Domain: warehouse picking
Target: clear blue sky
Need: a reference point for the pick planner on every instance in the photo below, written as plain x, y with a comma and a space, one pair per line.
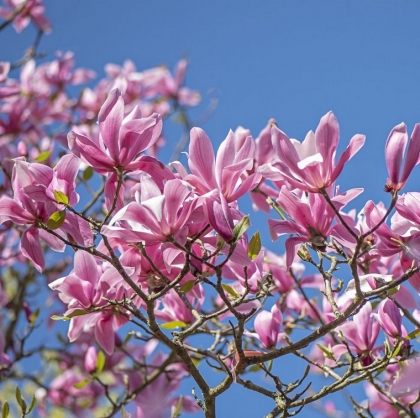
288, 60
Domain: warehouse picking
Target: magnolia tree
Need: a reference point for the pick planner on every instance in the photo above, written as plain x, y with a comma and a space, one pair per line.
161, 281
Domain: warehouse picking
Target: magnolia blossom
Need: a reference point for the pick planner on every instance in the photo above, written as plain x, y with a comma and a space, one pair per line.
394, 151
390, 318
267, 327
310, 165
361, 333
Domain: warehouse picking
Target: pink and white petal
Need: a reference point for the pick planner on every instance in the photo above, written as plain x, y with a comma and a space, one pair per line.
225, 156
249, 184
90, 152
354, 146
85, 267
409, 381
137, 136
327, 135
67, 168
52, 241
104, 334
394, 151
78, 289
31, 248
201, 158
12, 211
292, 245
413, 154
110, 118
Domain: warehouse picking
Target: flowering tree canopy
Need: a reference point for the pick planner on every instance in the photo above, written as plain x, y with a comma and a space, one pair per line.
161, 282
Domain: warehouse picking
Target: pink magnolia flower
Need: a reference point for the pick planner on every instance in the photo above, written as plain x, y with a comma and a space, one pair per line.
86, 287
59, 73
311, 219
154, 216
121, 139
394, 151
32, 10
310, 165
228, 172
361, 333
174, 308
409, 381
62, 392
402, 238
91, 359
390, 320
34, 185
267, 327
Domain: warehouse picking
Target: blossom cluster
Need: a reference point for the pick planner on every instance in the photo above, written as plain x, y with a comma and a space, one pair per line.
166, 249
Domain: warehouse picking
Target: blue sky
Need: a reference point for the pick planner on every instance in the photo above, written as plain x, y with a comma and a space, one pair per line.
288, 60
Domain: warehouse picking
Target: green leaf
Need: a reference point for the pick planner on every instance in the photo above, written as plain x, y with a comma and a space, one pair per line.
60, 318
254, 246
100, 362
20, 400
187, 286
43, 156
375, 303
173, 324
241, 227
391, 292
61, 197
380, 371
56, 219
177, 412
220, 242
88, 173
397, 349
270, 365
5, 410
77, 312
128, 337
82, 384
329, 354
254, 368
34, 316
231, 291
32, 405
413, 334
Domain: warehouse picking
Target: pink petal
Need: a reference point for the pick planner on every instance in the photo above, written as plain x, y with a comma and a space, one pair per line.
201, 158
110, 119
394, 151
31, 248
413, 154
104, 334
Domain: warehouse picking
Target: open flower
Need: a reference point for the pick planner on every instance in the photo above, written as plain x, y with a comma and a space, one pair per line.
310, 165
